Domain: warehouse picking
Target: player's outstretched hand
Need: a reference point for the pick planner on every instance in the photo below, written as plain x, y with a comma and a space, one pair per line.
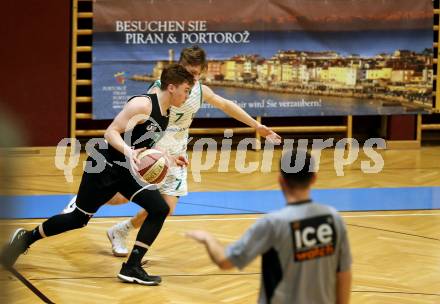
198, 235
268, 134
181, 161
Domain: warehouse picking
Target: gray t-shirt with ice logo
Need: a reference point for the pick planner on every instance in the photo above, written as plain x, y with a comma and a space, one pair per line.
303, 247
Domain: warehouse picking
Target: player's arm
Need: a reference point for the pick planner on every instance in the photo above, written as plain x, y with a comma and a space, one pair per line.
256, 240
234, 111
229, 107
134, 112
215, 250
343, 287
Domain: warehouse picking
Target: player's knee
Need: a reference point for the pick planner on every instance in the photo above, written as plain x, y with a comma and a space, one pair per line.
158, 209
153, 203
77, 219
162, 209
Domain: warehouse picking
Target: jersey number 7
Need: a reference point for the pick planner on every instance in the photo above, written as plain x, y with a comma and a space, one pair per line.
180, 115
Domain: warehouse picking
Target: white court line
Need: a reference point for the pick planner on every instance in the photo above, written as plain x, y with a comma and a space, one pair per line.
392, 215
240, 218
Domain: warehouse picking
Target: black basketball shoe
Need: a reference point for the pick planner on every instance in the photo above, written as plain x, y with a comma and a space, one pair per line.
136, 274
17, 245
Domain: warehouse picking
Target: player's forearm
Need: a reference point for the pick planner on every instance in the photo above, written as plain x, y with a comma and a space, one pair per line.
115, 140
214, 248
216, 252
343, 287
238, 113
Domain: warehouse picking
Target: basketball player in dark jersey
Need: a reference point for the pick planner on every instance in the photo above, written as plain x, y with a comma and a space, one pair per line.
143, 120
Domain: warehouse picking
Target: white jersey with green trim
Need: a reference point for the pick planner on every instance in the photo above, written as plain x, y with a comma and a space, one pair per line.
175, 139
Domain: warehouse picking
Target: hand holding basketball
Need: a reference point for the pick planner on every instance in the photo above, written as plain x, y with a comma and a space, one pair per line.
134, 158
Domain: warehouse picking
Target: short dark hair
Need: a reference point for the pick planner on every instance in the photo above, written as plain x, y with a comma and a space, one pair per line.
175, 74
302, 176
193, 55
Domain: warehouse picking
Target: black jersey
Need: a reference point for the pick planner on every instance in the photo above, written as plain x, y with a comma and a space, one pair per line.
144, 135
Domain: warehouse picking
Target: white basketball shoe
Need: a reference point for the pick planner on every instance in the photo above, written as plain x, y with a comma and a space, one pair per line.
117, 236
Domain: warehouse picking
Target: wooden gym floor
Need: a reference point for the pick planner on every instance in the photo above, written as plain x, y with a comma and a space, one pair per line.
396, 253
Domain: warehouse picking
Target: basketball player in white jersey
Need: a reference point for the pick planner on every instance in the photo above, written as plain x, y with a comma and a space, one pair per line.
175, 143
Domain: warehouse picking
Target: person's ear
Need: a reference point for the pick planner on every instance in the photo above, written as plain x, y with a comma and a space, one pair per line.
171, 88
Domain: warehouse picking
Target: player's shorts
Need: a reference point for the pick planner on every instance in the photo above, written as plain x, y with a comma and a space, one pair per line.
98, 188
175, 183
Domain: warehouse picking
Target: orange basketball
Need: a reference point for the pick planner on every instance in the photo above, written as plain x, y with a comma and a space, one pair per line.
154, 166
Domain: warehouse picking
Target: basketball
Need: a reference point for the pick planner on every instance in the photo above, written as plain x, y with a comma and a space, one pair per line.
154, 166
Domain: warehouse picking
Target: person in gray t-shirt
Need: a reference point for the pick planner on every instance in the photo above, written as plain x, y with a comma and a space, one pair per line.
304, 246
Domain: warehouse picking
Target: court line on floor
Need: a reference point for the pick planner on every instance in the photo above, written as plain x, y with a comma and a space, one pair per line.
29, 285
230, 219
221, 207
397, 292
164, 276
393, 231
226, 274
